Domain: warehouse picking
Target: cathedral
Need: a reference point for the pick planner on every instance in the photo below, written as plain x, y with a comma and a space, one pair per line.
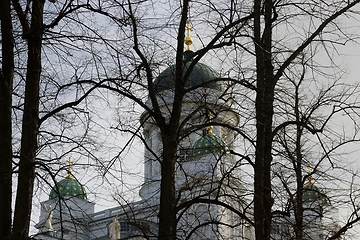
205, 170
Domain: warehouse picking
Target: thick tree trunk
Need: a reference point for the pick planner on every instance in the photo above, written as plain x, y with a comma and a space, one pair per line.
6, 81
264, 114
167, 213
262, 186
30, 126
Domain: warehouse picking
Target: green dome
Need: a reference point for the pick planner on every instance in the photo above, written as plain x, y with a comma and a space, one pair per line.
311, 194
68, 187
201, 75
210, 143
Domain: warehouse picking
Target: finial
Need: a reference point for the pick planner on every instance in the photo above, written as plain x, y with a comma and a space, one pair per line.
69, 170
188, 39
309, 169
210, 131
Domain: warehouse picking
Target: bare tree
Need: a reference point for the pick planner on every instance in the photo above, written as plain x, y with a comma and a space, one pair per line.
307, 145
248, 27
125, 59
29, 98
269, 73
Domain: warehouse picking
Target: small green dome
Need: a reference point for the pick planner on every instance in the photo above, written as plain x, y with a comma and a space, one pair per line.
311, 194
68, 187
201, 75
210, 143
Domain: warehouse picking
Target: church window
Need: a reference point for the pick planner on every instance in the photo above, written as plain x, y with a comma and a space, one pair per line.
184, 154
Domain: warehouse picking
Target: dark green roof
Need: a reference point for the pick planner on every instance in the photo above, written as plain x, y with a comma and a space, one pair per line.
311, 194
68, 187
201, 75
210, 143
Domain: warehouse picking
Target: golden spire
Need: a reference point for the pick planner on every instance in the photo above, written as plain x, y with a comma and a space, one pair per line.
69, 170
188, 39
210, 131
309, 170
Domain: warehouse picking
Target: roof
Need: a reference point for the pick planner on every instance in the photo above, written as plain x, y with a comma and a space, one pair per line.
210, 143
68, 187
312, 193
201, 75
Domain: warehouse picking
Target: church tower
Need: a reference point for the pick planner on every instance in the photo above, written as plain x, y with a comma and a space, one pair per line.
66, 213
203, 154
314, 202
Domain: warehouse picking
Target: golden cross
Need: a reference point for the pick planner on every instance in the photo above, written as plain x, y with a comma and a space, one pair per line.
69, 171
69, 161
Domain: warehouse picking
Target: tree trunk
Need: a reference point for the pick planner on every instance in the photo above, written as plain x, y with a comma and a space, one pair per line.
262, 185
170, 137
264, 113
298, 208
30, 126
167, 213
6, 82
